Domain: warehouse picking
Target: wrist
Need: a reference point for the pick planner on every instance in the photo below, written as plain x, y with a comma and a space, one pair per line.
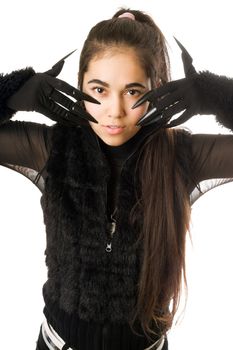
216, 96
9, 84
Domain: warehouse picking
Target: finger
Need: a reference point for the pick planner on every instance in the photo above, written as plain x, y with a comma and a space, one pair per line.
74, 119
61, 99
168, 100
189, 69
184, 51
151, 120
80, 112
51, 115
65, 120
180, 120
155, 116
57, 67
154, 94
69, 54
174, 109
64, 113
187, 60
150, 116
149, 96
69, 105
80, 96
71, 91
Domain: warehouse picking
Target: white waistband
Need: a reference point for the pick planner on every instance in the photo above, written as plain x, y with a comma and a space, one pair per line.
49, 333
57, 342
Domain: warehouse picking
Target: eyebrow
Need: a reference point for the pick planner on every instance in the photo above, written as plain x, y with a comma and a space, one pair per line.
127, 86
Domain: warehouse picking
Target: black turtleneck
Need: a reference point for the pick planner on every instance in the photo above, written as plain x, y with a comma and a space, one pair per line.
116, 156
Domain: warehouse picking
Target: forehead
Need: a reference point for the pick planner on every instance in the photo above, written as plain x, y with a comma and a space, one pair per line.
116, 63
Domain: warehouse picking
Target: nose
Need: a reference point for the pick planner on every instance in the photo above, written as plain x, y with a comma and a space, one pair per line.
116, 108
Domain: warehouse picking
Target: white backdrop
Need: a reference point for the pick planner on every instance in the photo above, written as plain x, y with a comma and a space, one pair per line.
39, 33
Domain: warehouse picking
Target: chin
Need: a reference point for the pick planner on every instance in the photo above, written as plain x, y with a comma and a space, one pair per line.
113, 143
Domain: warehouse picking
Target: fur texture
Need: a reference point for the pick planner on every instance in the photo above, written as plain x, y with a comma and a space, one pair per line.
89, 289
216, 97
83, 278
9, 84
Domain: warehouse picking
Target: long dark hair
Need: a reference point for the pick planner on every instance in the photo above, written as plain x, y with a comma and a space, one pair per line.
166, 211
164, 198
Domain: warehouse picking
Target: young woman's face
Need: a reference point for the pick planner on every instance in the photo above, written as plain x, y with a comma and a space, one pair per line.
116, 80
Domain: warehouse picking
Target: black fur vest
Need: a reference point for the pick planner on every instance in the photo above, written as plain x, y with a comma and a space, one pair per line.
83, 278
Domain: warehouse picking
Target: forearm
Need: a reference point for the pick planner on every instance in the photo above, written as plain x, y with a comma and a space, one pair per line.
9, 84
218, 92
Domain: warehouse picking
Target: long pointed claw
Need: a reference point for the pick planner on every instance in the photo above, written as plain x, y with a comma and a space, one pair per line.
89, 117
80, 96
147, 97
57, 67
149, 117
181, 119
184, 51
63, 59
187, 59
83, 114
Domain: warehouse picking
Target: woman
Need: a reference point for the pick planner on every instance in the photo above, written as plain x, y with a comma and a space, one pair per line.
115, 195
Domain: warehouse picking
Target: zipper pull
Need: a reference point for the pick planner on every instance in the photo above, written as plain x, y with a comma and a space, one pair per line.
108, 247
112, 229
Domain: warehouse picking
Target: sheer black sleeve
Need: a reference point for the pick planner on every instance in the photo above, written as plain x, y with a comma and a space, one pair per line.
212, 162
25, 147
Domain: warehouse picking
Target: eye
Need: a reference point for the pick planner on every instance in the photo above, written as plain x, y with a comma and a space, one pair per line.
133, 92
98, 89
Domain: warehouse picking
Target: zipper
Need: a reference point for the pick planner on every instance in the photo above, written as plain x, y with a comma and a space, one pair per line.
112, 224
111, 231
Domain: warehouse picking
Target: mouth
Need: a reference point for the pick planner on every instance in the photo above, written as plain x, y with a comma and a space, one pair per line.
114, 129
114, 126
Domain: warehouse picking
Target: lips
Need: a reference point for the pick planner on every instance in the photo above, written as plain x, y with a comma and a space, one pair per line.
114, 126
114, 129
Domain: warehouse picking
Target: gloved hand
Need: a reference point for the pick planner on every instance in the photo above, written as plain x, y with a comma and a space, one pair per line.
198, 93
43, 93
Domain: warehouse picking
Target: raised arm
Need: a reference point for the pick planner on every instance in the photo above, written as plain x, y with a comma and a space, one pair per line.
25, 147
25, 90
197, 93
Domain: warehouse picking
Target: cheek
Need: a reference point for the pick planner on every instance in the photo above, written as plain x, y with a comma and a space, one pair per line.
93, 109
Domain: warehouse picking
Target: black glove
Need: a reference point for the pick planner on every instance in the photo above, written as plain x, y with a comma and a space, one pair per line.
44, 93
198, 93
9, 84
